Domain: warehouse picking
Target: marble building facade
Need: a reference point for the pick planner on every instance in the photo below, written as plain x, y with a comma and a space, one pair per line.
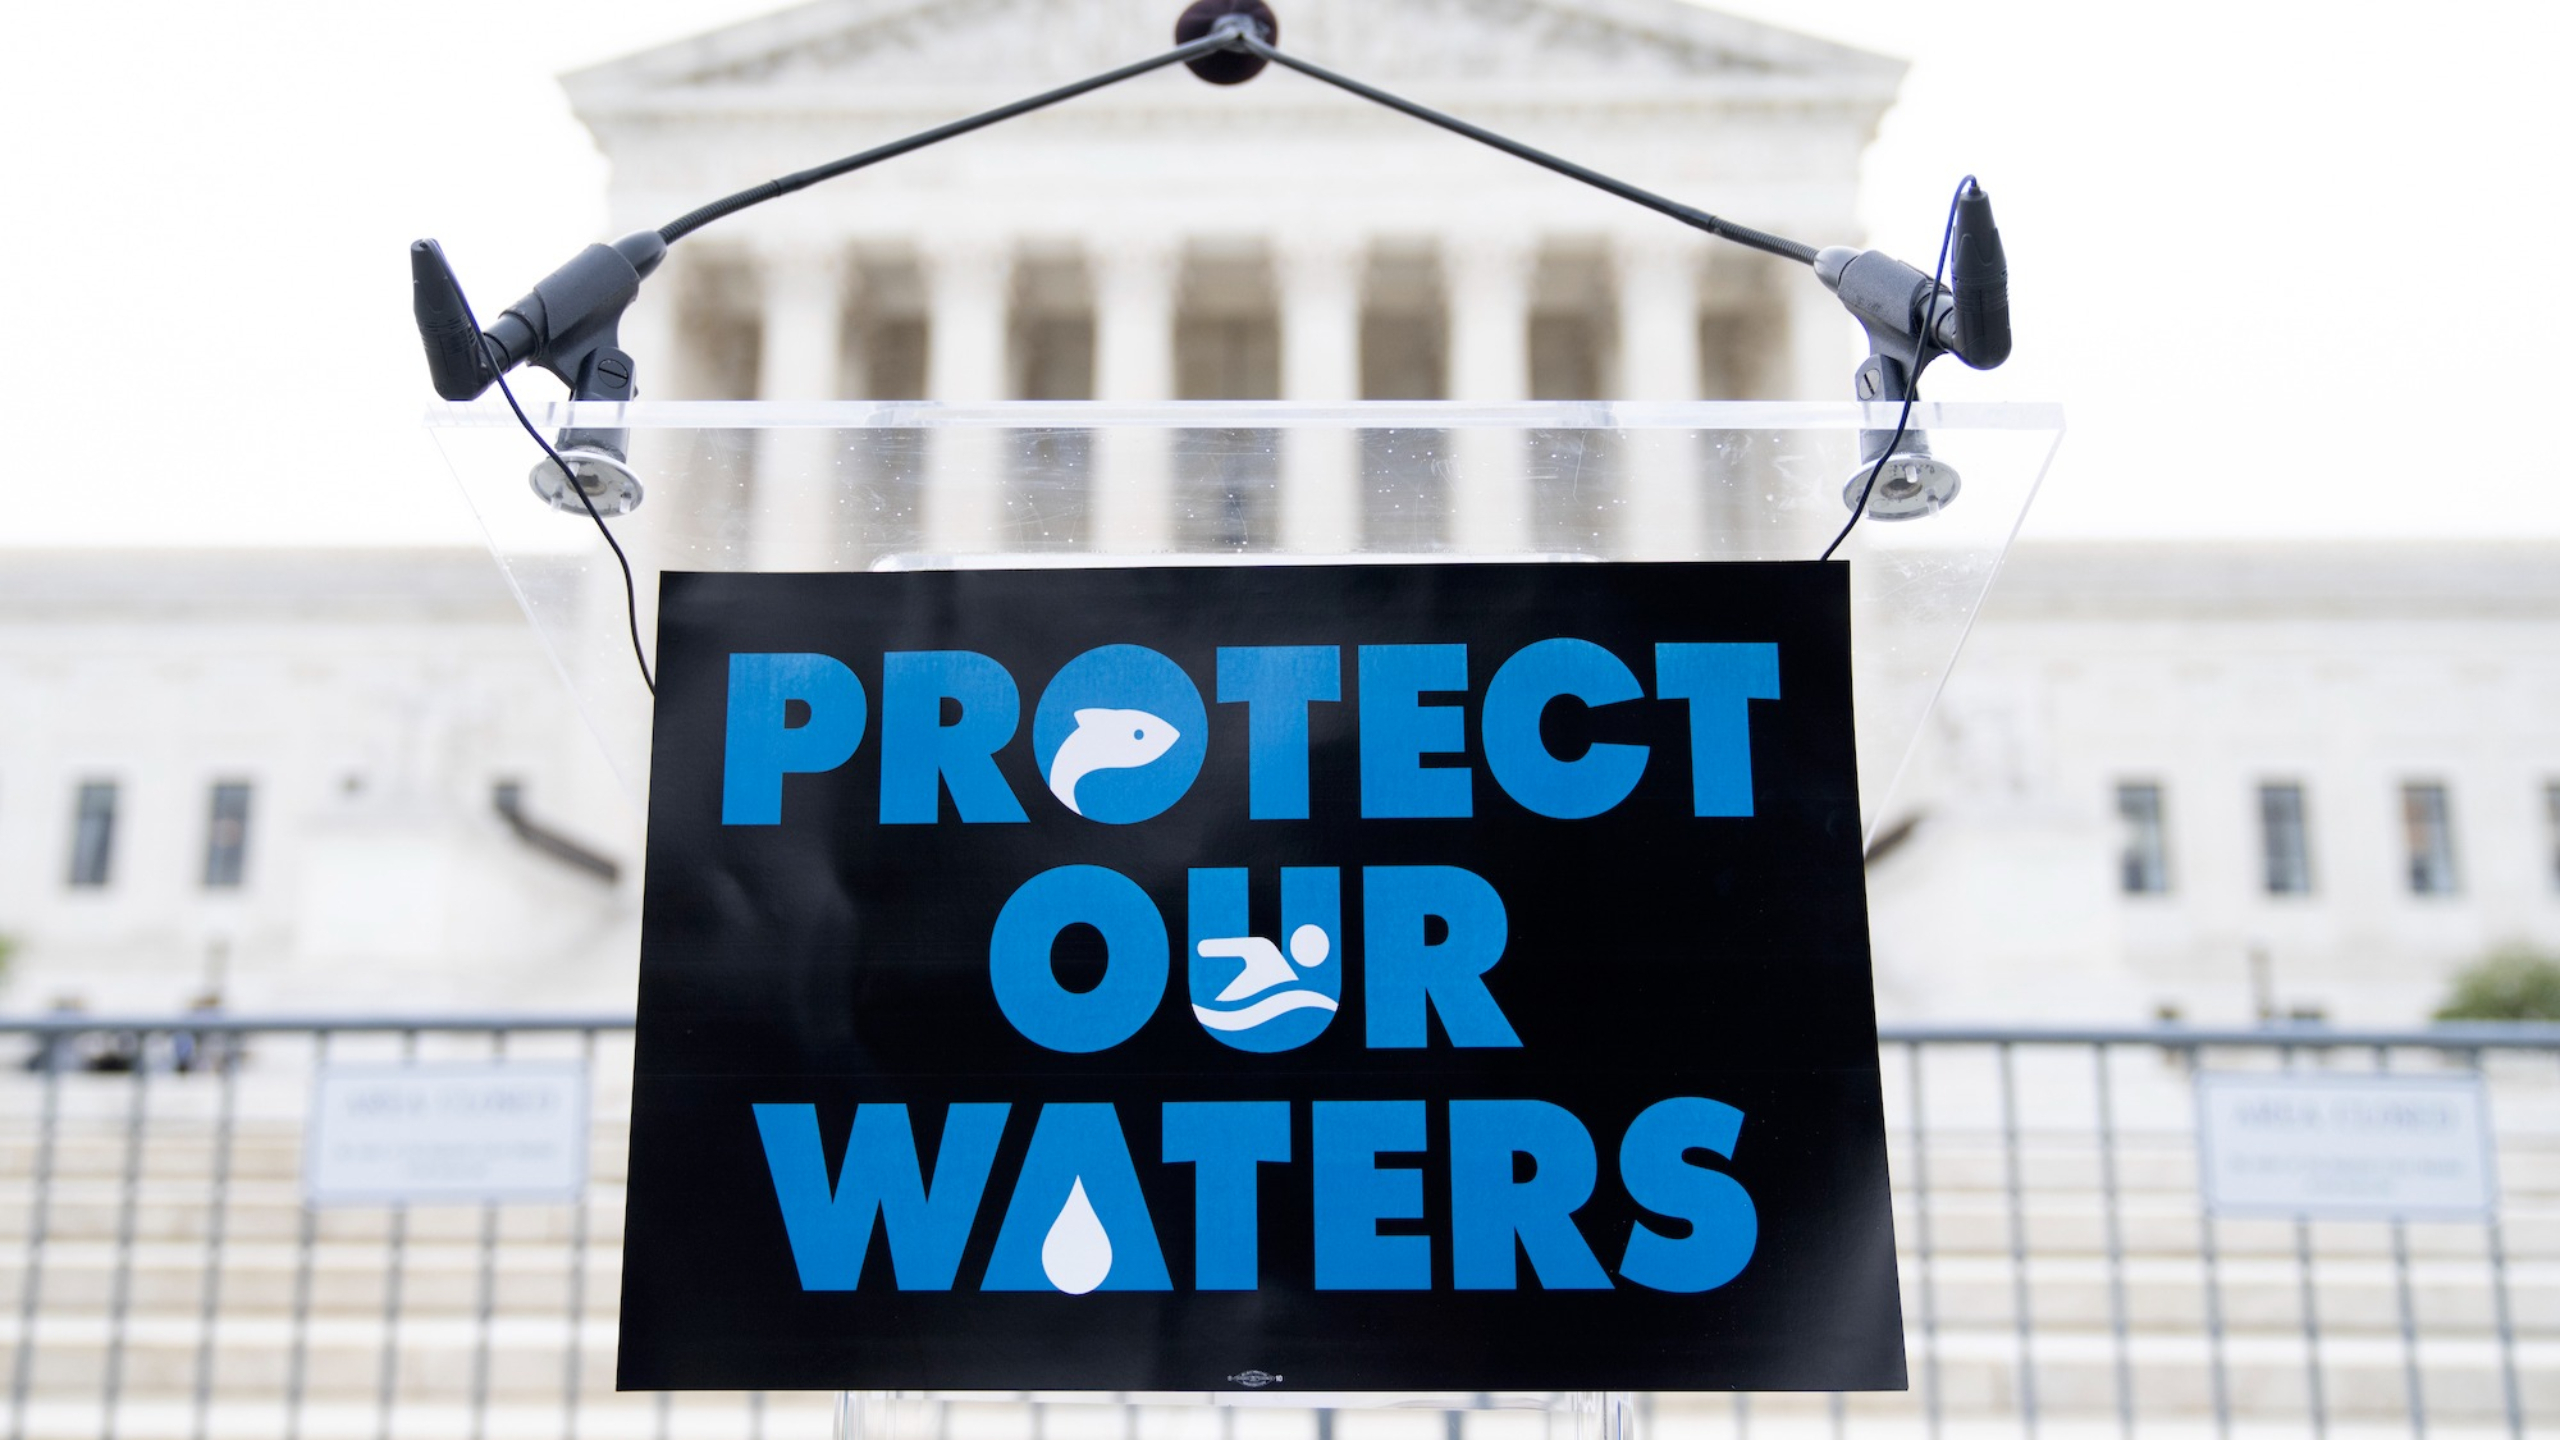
393, 729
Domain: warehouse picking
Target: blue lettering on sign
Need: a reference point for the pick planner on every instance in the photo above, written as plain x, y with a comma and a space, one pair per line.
1078, 1221
830, 1227
1026, 981
1724, 1227
1275, 684
1489, 1210
1120, 734
762, 743
1353, 1195
1516, 700
920, 756
1407, 972
1226, 1143
1397, 730
1719, 682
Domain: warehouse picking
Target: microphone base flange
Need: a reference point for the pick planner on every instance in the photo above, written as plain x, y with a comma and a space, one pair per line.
1911, 485
608, 483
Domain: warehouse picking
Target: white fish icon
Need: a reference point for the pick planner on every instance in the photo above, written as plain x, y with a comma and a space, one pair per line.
1107, 740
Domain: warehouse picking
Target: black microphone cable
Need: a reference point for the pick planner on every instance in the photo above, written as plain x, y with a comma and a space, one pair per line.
1911, 390
630, 589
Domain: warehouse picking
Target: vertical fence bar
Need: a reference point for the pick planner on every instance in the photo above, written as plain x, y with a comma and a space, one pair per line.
573, 1378
2315, 1384
1932, 1401
2413, 1380
2504, 1306
217, 1224
2217, 1363
137, 1115
396, 1248
51, 1052
485, 1300
2111, 1201
2021, 1298
297, 1368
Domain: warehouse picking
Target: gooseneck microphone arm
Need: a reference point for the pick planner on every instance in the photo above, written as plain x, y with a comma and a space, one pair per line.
567, 324
573, 313
1689, 215
695, 219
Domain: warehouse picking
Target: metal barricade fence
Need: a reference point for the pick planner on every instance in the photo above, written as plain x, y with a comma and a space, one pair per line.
161, 1274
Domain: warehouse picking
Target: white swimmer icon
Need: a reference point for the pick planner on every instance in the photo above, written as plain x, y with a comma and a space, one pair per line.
1265, 970
1107, 740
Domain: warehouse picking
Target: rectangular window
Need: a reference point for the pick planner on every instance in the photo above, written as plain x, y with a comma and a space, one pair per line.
2285, 837
226, 837
93, 833
2426, 815
2144, 867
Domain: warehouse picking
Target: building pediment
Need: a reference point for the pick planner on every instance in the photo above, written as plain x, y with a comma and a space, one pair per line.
853, 47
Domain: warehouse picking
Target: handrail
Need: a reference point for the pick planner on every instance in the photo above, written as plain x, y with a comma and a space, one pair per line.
2498, 1035
221, 1023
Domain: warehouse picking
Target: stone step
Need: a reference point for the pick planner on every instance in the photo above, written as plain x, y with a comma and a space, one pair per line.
262, 1279
441, 1278
600, 1415
1959, 1223
270, 1210
94, 1146
1971, 1371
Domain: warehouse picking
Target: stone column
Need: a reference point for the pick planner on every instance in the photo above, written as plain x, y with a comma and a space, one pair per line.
969, 284
661, 358
802, 502
1135, 282
1657, 283
1320, 284
1488, 279
1823, 343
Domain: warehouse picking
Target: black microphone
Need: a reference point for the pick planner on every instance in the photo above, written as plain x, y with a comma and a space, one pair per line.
455, 359
565, 325
1981, 275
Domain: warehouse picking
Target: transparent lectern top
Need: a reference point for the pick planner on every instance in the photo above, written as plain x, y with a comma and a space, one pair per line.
856, 485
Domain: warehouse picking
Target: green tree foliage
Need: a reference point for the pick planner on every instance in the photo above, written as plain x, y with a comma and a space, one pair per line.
2513, 983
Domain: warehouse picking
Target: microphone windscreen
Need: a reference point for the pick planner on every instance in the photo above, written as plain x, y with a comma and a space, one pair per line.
455, 361
1981, 276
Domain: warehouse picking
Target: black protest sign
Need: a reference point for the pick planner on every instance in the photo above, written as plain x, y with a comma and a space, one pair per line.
1445, 977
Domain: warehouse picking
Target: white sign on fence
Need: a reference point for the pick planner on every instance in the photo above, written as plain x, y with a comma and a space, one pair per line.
446, 1134
2361, 1147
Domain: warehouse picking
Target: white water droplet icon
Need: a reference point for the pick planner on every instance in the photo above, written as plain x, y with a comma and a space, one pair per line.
1077, 1254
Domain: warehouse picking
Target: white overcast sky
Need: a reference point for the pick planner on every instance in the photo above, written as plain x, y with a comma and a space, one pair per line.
2287, 265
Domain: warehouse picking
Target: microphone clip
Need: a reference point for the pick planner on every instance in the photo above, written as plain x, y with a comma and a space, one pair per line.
567, 324
1911, 320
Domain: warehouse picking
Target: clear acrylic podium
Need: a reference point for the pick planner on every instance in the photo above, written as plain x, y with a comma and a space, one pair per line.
854, 485
877, 485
